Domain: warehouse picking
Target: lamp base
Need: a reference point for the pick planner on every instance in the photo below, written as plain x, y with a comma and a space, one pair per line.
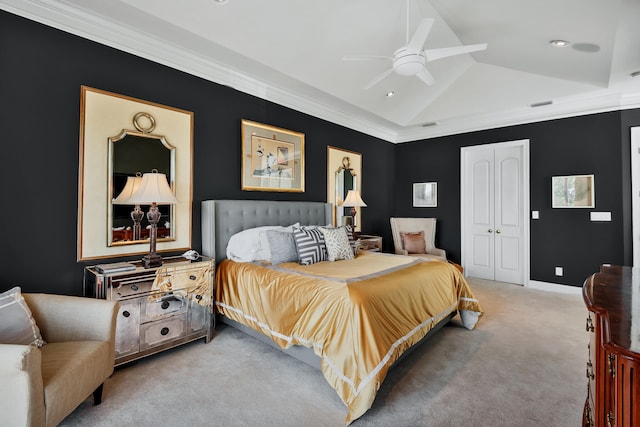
151, 260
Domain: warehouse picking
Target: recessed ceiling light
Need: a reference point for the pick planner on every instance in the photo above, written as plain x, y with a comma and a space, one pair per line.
635, 74
390, 94
220, 2
559, 43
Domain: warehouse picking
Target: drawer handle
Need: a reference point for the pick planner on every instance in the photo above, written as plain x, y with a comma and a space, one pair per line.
164, 305
192, 277
134, 287
612, 366
198, 297
164, 331
590, 371
126, 314
589, 324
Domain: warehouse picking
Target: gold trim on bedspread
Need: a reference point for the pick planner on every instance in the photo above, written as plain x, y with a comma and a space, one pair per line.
358, 315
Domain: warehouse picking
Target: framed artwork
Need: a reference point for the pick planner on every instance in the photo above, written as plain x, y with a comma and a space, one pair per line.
119, 137
425, 194
272, 158
573, 191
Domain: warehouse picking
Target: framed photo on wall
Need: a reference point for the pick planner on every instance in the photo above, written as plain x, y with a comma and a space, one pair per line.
573, 191
425, 194
272, 158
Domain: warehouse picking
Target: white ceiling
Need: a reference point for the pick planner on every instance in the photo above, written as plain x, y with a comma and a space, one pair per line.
291, 52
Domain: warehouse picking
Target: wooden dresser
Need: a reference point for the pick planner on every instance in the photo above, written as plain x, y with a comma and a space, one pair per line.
612, 297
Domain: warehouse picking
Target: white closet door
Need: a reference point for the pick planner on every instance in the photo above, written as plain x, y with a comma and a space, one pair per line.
494, 216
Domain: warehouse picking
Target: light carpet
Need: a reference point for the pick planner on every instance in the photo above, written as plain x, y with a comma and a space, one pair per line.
523, 365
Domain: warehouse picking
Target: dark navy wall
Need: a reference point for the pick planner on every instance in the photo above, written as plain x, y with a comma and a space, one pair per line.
595, 144
41, 71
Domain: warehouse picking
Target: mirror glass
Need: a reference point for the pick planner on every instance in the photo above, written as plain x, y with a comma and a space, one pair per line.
345, 180
133, 153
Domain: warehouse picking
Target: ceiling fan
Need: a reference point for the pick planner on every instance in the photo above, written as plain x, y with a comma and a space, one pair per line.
411, 59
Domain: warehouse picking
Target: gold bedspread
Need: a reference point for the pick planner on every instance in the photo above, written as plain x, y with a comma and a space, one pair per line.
358, 315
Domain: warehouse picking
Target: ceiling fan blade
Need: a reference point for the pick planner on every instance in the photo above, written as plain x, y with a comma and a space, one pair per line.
378, 79
420, 36
426, 76
363, 57
433, 54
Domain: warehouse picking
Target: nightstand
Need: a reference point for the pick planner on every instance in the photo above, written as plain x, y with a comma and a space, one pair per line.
368, 242
160, 307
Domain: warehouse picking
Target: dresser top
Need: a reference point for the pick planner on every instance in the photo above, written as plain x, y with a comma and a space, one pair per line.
614, 292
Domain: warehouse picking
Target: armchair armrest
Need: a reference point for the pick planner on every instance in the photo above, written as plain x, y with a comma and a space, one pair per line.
22, 393
438, 252
68, 318
400, 251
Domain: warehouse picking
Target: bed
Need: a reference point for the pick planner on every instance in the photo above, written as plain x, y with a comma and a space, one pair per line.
352, 318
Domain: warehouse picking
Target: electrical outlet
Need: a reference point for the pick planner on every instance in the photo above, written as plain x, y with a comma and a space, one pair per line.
558, 271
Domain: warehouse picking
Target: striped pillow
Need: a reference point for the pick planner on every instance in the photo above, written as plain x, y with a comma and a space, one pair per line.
310, 245
352, 241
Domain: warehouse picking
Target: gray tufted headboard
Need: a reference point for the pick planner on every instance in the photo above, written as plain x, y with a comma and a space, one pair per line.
223, 218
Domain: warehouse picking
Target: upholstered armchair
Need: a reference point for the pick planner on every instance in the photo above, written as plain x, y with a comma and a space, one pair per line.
416, 237
40, 386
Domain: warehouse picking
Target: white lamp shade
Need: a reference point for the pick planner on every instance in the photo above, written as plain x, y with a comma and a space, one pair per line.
353, 199
153, 188
133, 182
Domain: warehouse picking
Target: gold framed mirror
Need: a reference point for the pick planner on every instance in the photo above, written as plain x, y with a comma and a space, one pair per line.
111, 151
344, 173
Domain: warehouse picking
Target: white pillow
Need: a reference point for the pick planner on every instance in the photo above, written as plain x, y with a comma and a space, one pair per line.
17, 325
246, 246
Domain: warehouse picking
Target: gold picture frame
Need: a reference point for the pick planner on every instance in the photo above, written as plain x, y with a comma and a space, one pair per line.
104, 117
272, 158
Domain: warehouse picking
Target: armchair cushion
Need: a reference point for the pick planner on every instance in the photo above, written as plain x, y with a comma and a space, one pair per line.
17, 325
413, 242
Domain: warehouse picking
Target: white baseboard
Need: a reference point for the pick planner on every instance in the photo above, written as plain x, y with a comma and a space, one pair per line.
555, 287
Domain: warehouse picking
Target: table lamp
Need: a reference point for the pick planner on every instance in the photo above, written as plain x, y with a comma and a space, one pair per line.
153, 190
133, 182
353, 200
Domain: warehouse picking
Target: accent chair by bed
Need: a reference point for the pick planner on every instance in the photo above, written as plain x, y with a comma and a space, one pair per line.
416, 237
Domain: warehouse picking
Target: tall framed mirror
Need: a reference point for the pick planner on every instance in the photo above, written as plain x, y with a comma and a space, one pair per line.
120, 137
344, 173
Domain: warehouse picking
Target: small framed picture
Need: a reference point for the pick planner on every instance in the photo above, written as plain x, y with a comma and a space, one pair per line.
573, 191
425, 194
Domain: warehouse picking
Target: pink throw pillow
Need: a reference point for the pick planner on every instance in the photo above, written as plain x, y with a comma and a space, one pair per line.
414, 243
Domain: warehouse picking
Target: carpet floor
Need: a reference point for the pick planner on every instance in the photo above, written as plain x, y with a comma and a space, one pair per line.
523, 365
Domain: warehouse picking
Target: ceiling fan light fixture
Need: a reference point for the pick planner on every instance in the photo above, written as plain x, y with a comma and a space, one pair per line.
407, 63
559, 43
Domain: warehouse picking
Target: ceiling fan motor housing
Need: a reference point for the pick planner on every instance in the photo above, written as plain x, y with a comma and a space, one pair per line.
407, 62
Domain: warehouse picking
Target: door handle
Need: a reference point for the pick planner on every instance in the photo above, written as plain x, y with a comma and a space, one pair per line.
498, 231
490, 230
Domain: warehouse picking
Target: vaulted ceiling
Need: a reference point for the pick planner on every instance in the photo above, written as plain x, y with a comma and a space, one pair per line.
292, 52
